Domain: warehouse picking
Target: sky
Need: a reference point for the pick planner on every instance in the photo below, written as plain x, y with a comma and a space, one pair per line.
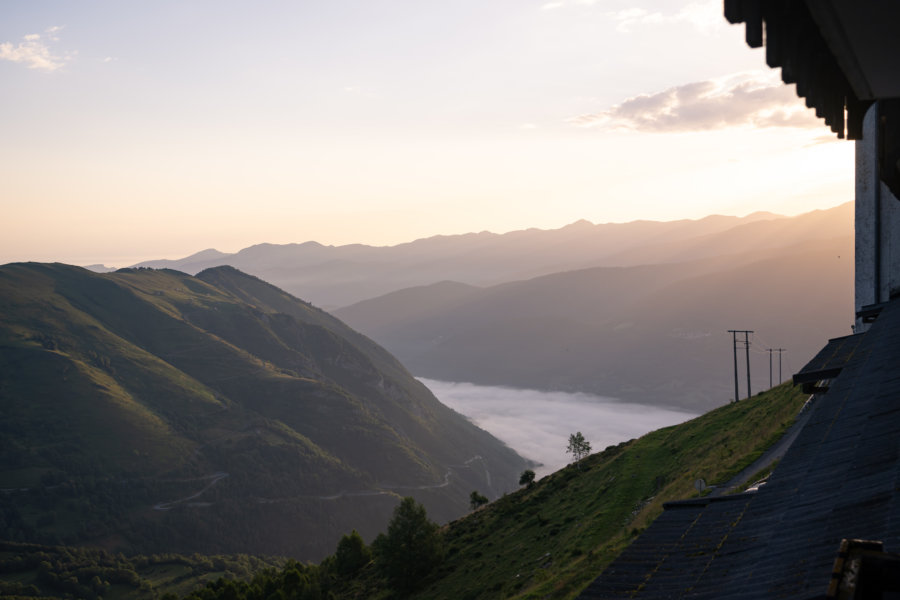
145, 130
537, 424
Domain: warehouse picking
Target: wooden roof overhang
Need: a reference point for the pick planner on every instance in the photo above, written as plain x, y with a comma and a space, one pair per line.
842, 54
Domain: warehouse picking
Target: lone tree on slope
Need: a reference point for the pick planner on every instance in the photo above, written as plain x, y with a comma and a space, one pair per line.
578, 446
527, 478
476, 500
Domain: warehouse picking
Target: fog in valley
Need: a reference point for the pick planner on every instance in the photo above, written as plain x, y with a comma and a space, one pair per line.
537, 424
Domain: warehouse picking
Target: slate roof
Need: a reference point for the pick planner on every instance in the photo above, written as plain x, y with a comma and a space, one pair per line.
828, 363
840, 479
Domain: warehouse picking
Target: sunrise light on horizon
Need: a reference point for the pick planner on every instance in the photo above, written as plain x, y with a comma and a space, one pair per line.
144, 131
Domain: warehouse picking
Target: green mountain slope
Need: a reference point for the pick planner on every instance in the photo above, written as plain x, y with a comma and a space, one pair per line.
547, 540
155, 411
655, 333
554, 538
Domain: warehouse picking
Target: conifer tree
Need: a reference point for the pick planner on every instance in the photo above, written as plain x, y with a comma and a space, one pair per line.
410, 549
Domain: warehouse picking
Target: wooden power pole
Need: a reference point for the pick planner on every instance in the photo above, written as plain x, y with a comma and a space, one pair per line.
779, 351
746, 333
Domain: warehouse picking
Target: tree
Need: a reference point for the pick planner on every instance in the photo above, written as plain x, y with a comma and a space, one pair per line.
578, 446
352, 554
410, 549
527, 478
476, 500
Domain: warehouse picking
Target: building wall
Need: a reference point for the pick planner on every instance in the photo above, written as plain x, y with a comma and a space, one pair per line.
877, 224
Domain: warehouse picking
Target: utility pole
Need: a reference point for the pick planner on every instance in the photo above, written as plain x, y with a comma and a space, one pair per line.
747, 350
770, 368
734, 349
779, 351
746, 333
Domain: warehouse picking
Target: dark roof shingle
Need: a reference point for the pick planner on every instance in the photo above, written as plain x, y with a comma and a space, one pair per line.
840, 479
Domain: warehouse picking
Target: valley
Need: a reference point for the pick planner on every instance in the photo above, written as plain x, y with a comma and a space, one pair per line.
536, 424
548, 539
152, 411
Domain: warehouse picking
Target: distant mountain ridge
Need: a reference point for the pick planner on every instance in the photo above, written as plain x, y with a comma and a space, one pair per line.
580, 308
336, 276
154, 411
653, 330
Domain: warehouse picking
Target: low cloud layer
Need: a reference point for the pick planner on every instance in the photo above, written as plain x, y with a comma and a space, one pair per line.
33, 51
741, 100
537, 424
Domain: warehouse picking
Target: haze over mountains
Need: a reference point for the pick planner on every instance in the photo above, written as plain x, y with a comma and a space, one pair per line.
154, 411
652, 334
337, 276
638, 311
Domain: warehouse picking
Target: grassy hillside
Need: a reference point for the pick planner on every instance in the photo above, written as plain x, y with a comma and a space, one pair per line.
548, 540
555, 537
153, 411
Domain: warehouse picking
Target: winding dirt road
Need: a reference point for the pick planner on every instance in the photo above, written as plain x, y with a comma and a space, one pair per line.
385, 489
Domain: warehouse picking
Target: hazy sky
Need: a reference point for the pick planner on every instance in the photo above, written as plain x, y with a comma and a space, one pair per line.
138, 130
537, 424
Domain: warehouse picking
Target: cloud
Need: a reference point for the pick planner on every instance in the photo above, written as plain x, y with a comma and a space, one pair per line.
537, 424
33, 52
52, 31
756, 99
823, 139
703, 16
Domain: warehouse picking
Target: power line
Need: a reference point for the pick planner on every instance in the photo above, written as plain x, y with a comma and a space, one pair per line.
787, 362
758, 338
